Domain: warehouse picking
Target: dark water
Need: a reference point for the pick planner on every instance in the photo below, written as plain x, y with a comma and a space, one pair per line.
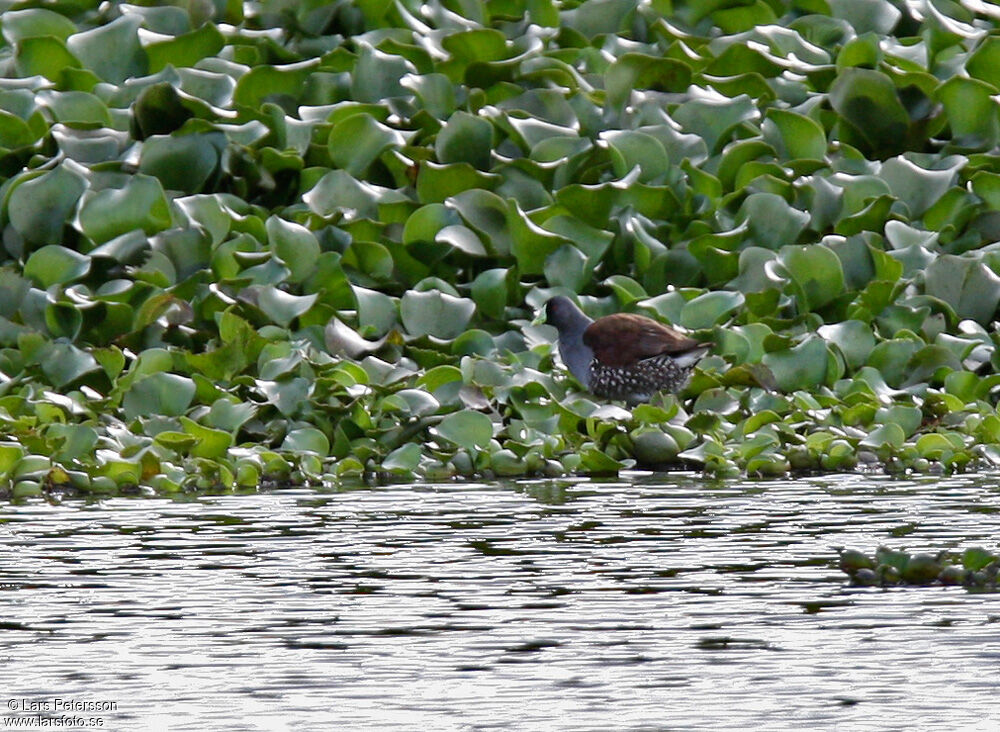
656, 602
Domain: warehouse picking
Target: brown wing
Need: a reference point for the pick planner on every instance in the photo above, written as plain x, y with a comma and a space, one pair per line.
624, 338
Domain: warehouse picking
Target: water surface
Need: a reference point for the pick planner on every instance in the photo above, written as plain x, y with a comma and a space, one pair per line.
654, 602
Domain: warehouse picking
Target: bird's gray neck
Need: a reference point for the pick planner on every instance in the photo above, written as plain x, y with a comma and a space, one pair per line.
574, 352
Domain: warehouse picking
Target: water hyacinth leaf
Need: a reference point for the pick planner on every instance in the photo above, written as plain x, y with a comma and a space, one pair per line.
403, 460
159, 110
640, 71
969, 286
182, 162
706, 310
282, 307
801, 367
64, 363
210, 443
435, 313
186, 49
436, 183
288, 396
357, 141
140, 204
307, 439
461, 238
377, 75
272, 83
75, 108
567, 267
486, 213
798, 136
377, 312
489, 291
890, 359
468, 429
55, 265
712, 116
64, 320
868, 100
435, 93
35, 23
854, 338
530, 243
465, 138
229, 415
879, 16
771, 220
111, 51
40, 207
918, 187
43, 56
294, 245
971, 110
816, 270
160, 393
75, 441
631, 149
423, 224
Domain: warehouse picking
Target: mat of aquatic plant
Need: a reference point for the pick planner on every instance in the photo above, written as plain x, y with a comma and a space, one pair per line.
307, 241
975, 567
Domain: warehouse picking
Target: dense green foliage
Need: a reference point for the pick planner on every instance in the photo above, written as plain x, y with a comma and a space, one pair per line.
975, 567
307, 240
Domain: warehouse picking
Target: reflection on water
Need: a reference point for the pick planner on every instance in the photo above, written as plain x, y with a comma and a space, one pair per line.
656, 602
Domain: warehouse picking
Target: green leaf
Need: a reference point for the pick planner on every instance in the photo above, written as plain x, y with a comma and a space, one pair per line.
867, 100
40, 207
969, 286
489, 290
435, 313
530, 243
35, 22
211, 443
709, 309
186, 49
801, 367
854, 338
465, 138
43, 56
140, 204
357, 141
55, 265
468, 429
64, 363
816, 271
265, 83
918, 187
797, 136
182, 162
307, 439
158, 394
971, 112
632, 71
712, 116
282, 307
772, 222
294, 245
403, 460
112, 51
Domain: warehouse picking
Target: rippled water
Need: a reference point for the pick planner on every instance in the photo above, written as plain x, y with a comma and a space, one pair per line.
655, 602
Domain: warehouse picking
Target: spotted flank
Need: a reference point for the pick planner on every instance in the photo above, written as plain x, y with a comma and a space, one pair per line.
640, 380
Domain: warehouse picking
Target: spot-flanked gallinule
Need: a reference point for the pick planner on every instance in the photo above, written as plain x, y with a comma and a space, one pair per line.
622, 356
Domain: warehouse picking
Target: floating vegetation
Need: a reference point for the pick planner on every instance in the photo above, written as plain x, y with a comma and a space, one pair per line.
307, 242
975, 567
